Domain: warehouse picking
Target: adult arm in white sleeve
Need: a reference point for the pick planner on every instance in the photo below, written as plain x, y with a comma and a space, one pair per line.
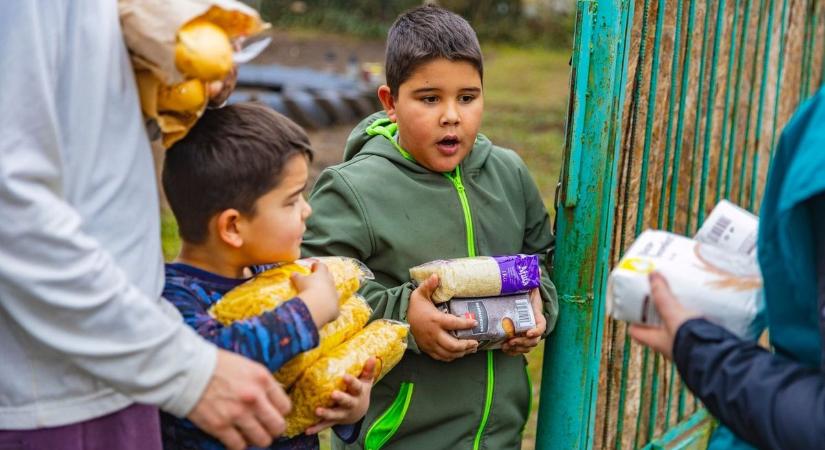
57, 284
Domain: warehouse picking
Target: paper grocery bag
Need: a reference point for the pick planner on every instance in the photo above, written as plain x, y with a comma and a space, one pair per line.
150, 28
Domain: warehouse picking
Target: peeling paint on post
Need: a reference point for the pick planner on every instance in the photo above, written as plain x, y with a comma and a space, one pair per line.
584, 217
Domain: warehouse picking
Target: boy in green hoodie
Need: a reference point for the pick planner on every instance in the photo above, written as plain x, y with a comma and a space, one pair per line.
419, 183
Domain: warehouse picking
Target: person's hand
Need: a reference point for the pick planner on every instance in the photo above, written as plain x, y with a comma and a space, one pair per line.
522, 344
431, 327
672, 313
220, 90
317, 290
242, 405
350, 405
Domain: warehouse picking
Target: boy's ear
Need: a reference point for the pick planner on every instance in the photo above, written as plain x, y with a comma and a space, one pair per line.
385, 95
228, 230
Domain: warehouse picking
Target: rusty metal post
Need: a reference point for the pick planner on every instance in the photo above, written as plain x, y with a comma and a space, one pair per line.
584, 220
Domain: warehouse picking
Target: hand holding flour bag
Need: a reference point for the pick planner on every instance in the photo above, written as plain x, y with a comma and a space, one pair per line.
715, 274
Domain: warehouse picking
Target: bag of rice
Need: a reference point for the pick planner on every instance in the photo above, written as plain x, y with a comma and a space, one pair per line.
386, 340
353, 316
720, 284
273, 287
482, 276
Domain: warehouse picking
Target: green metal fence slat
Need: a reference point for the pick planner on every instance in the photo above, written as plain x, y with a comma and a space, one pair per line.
665, 176
726, 116
822, 69
759, 115
779, 72
720, 15
680, 126
698, 119
674, 69
572, 356
634, 121
745, 147
621, 75
651, 114
651, 117
807, 51
737, 91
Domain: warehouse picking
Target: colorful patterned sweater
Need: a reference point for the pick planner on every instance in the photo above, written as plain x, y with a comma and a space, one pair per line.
271, 339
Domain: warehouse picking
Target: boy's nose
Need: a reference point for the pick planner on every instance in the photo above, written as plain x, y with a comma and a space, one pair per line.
450, 115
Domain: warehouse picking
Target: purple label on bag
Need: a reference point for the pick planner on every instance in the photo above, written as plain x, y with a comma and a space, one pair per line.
519, 273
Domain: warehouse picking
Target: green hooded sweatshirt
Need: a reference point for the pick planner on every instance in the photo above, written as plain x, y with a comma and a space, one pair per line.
382, 208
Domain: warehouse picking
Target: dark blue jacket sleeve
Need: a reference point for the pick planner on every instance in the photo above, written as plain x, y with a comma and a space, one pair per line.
272, 339
348, 433
768, 400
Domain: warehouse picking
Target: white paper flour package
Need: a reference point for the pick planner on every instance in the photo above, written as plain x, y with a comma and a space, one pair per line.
731, 228
721, 284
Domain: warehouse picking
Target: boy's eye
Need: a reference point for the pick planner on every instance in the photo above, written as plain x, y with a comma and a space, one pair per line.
466, 98
429, 99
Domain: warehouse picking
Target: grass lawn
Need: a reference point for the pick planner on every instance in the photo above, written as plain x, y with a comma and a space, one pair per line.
525, 105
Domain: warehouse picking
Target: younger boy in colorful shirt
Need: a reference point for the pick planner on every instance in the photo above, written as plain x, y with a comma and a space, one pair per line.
235, 184
420, 183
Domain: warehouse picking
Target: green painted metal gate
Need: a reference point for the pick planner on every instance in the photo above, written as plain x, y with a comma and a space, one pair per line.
674, 104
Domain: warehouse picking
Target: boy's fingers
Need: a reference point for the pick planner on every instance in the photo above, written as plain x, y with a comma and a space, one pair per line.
353, 385
428, 286
368, 372
451, 322
331, 414
344, 400
318, 266
450, 344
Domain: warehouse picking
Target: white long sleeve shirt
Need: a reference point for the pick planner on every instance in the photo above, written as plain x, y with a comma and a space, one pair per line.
83, 330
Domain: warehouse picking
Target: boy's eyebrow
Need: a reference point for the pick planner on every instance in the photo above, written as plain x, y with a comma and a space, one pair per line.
298, 191
427, 90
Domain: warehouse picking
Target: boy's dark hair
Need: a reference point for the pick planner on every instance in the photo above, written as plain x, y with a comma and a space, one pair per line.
427, 32
229, 159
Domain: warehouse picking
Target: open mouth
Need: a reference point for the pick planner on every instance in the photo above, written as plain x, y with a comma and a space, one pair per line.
448, 145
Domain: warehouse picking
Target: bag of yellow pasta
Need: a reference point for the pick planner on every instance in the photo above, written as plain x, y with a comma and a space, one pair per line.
386, 340
273, 287
354, 314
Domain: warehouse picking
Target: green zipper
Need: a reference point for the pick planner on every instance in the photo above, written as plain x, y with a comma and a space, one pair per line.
529, 398
388, 129
488, 401
384, 428
455, 177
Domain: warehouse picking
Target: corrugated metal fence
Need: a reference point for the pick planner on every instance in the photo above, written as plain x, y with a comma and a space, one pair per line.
674, 105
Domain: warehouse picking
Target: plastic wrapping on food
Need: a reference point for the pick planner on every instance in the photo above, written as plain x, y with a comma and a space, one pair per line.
497, 318
385, 340
153, 29
483, 276
273, 287
354, 314
720, 284
176, 48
